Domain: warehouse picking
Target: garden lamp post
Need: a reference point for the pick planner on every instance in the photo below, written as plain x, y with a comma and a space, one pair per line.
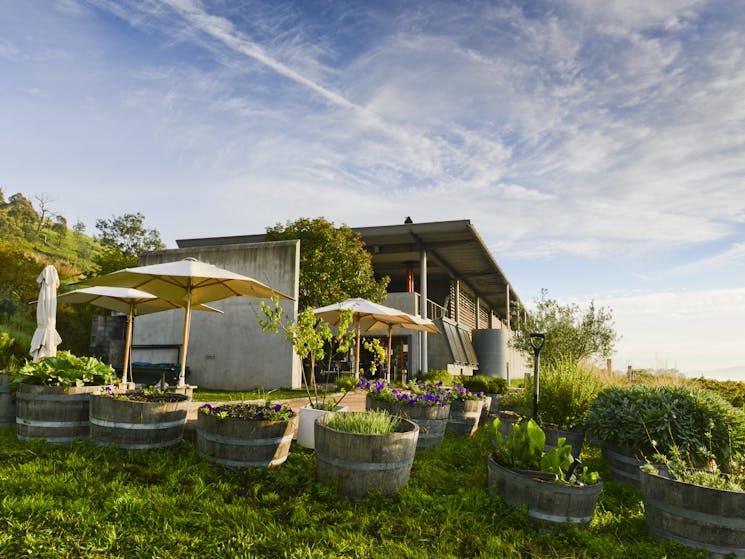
536, 340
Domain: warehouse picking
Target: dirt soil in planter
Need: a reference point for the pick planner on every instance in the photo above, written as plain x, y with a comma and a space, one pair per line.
159, 398
245, 411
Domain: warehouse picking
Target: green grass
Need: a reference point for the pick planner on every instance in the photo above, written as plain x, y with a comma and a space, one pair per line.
81, 501
369, 423
225, 396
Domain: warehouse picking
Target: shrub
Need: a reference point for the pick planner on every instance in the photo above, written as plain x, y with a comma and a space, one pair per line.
658, 418
567, 391
731, 390
481, 383
435, 376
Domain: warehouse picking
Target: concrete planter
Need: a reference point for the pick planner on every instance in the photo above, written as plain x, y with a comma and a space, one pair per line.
241, 443
136, 425
358, 464
693, 515
53, 413
307, 416
546, 501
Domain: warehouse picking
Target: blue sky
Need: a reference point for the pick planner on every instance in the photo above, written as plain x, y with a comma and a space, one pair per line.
598, 148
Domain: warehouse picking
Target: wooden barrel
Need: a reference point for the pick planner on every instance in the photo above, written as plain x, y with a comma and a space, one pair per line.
240, 443
464, 417
623, 464
546, 501
432, 420
574, 437
53, 413
7, 404
692, 515
358, 464
137, 425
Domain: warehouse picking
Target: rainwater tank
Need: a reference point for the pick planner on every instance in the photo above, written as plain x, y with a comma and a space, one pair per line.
491, 349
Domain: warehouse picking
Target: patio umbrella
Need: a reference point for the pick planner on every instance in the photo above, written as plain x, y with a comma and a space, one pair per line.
132, 302
186, 283
369, 316
416, 323
46, 339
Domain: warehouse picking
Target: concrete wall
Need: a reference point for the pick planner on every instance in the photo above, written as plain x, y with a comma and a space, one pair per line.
229, 351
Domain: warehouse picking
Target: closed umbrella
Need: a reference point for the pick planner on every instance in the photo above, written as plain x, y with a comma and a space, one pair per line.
186, 283
369, 316
46, 339
132, 302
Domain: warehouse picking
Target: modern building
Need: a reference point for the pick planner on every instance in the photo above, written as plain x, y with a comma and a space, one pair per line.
441, 270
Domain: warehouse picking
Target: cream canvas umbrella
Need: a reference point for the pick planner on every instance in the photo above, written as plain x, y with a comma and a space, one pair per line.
46, 339
186, 283
369, 316
132, 302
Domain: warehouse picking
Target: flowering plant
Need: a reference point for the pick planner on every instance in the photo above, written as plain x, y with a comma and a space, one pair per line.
255, 412
458, 392
149, 394
419, 395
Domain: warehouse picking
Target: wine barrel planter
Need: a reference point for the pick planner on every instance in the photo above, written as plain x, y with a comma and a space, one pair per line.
240, 443
307, 416
623, 464
358, 464
137, 425
464, 417
546, 501
432, 420
53, 413
693, 515
574, 437
7, 404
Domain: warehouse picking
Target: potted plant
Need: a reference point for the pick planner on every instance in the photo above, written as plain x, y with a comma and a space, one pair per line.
361, 452
53, 394
639, 421
697, 507
552, 485
426, 404
246, 434
312, 339
138, 419
568, 389
465, 410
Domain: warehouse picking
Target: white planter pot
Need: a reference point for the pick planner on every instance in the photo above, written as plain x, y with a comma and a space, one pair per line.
306, 420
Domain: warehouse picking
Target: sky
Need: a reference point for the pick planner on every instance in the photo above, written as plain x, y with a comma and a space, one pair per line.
597, 147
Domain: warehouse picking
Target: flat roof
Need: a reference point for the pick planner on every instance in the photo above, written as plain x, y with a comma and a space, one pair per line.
454, 250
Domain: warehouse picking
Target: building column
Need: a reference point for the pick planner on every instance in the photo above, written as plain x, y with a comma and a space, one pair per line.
423, 310
478, 311
508, 307
457, 302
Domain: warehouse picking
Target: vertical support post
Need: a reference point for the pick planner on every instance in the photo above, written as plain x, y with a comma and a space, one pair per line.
478, 311
423, 289
507, 308
457, 301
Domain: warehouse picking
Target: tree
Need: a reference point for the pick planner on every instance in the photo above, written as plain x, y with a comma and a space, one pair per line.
123, 239
334, 264
571, 332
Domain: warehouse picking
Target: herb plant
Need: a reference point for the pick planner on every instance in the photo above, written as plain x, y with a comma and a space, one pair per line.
369, 423
65, 370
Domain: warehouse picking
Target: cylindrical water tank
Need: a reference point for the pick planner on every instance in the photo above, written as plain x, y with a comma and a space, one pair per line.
491, 349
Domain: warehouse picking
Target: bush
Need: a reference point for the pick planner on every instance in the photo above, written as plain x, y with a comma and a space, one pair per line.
481, 383
437, 375
567, 391
731, 390
659, 418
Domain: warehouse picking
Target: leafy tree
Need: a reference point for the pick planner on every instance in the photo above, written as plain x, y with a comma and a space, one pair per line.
334, 264
123, 239
572, 333
22, 212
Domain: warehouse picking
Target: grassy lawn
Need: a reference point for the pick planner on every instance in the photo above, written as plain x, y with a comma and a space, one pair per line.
226, 396
88, 502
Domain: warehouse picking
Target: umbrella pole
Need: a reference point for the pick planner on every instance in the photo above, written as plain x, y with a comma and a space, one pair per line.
128, 342
357, 352
185, 345
388, 360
